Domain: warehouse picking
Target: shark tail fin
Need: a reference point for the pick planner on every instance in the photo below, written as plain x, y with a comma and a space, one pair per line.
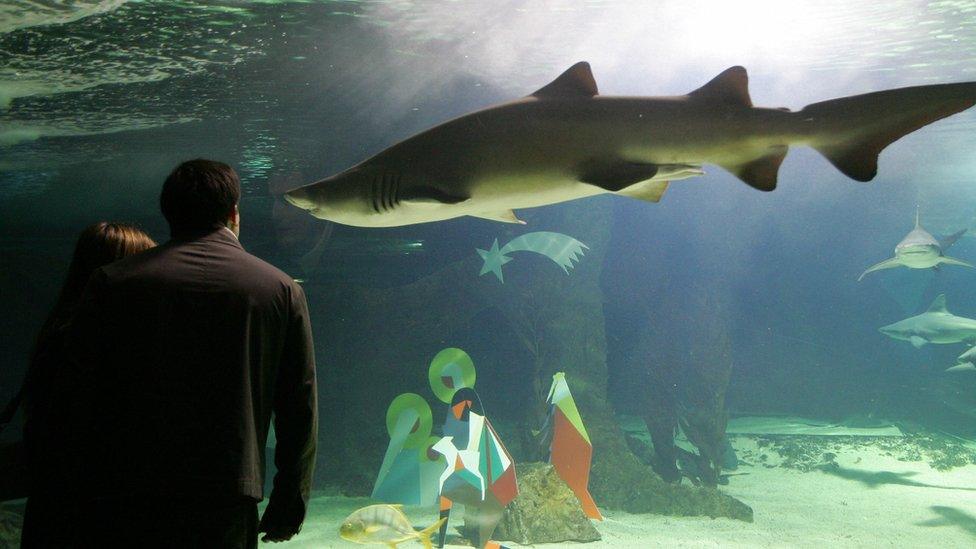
852, 131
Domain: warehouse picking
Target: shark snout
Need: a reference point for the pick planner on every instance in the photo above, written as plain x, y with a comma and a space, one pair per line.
891, 332
300, 198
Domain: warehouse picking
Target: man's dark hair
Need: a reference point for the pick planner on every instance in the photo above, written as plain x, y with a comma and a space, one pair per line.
199, 195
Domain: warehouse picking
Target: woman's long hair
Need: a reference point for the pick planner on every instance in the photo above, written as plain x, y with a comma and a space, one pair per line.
97, 246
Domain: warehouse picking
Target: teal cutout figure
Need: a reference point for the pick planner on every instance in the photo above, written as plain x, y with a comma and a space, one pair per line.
410, 471
560, 248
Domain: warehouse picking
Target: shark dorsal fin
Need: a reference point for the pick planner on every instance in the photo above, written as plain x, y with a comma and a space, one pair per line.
938, 306
577, 81
731, 87
916, 217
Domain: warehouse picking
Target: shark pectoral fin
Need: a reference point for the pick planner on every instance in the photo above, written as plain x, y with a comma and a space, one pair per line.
954, 261
886, 264
430, 195
944, 243
507, 216
918, 341
761, 172
614, 174
649, 191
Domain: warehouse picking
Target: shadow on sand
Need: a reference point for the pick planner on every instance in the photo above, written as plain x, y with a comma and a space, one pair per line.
950, 516
873, 479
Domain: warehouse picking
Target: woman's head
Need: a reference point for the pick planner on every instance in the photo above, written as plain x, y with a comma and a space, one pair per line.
97, 246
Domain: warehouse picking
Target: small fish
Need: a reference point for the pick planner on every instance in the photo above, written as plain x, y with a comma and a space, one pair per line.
384, 524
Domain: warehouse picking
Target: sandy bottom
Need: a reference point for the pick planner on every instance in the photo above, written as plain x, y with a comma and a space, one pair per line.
872, 498
805, 492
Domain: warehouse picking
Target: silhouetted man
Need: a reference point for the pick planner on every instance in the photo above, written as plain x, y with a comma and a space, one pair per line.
189, 348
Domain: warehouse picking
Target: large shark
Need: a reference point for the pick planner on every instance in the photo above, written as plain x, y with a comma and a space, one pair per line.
919, 250
936, 325
565, 142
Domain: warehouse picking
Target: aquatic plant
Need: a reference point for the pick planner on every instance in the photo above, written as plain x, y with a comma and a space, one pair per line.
688, 369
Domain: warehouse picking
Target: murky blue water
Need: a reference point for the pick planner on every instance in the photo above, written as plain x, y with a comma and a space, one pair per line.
100, 99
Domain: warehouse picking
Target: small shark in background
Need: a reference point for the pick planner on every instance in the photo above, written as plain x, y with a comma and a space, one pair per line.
962, 367
920, 250
936, 325
965, 362
565, 141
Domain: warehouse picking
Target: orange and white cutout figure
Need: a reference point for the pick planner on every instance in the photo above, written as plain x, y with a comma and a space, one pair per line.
570, 451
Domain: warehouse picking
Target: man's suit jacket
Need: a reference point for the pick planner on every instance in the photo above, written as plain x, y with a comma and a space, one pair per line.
185, 350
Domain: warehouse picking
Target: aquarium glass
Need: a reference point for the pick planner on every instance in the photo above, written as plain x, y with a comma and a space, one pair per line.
722, 355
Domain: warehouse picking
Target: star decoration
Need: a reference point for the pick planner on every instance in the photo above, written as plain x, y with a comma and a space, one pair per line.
494, 259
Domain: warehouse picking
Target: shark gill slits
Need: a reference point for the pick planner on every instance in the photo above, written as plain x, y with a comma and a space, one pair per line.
375, 192
387, 192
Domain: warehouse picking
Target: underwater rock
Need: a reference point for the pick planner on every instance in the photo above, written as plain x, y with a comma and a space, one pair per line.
627, 484
545, 511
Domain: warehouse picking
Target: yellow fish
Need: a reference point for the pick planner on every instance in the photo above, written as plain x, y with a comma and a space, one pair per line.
384, 524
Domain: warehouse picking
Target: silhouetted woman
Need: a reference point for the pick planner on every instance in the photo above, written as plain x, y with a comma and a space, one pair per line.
48, 408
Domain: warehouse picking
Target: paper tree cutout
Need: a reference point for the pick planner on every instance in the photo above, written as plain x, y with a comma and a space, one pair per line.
570, 451
451, 369
468, 465
560, 248
410, 469
481, 473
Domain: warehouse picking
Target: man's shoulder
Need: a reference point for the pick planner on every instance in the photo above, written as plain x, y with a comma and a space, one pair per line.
172, 260
255, 264
134, 263
247, 273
